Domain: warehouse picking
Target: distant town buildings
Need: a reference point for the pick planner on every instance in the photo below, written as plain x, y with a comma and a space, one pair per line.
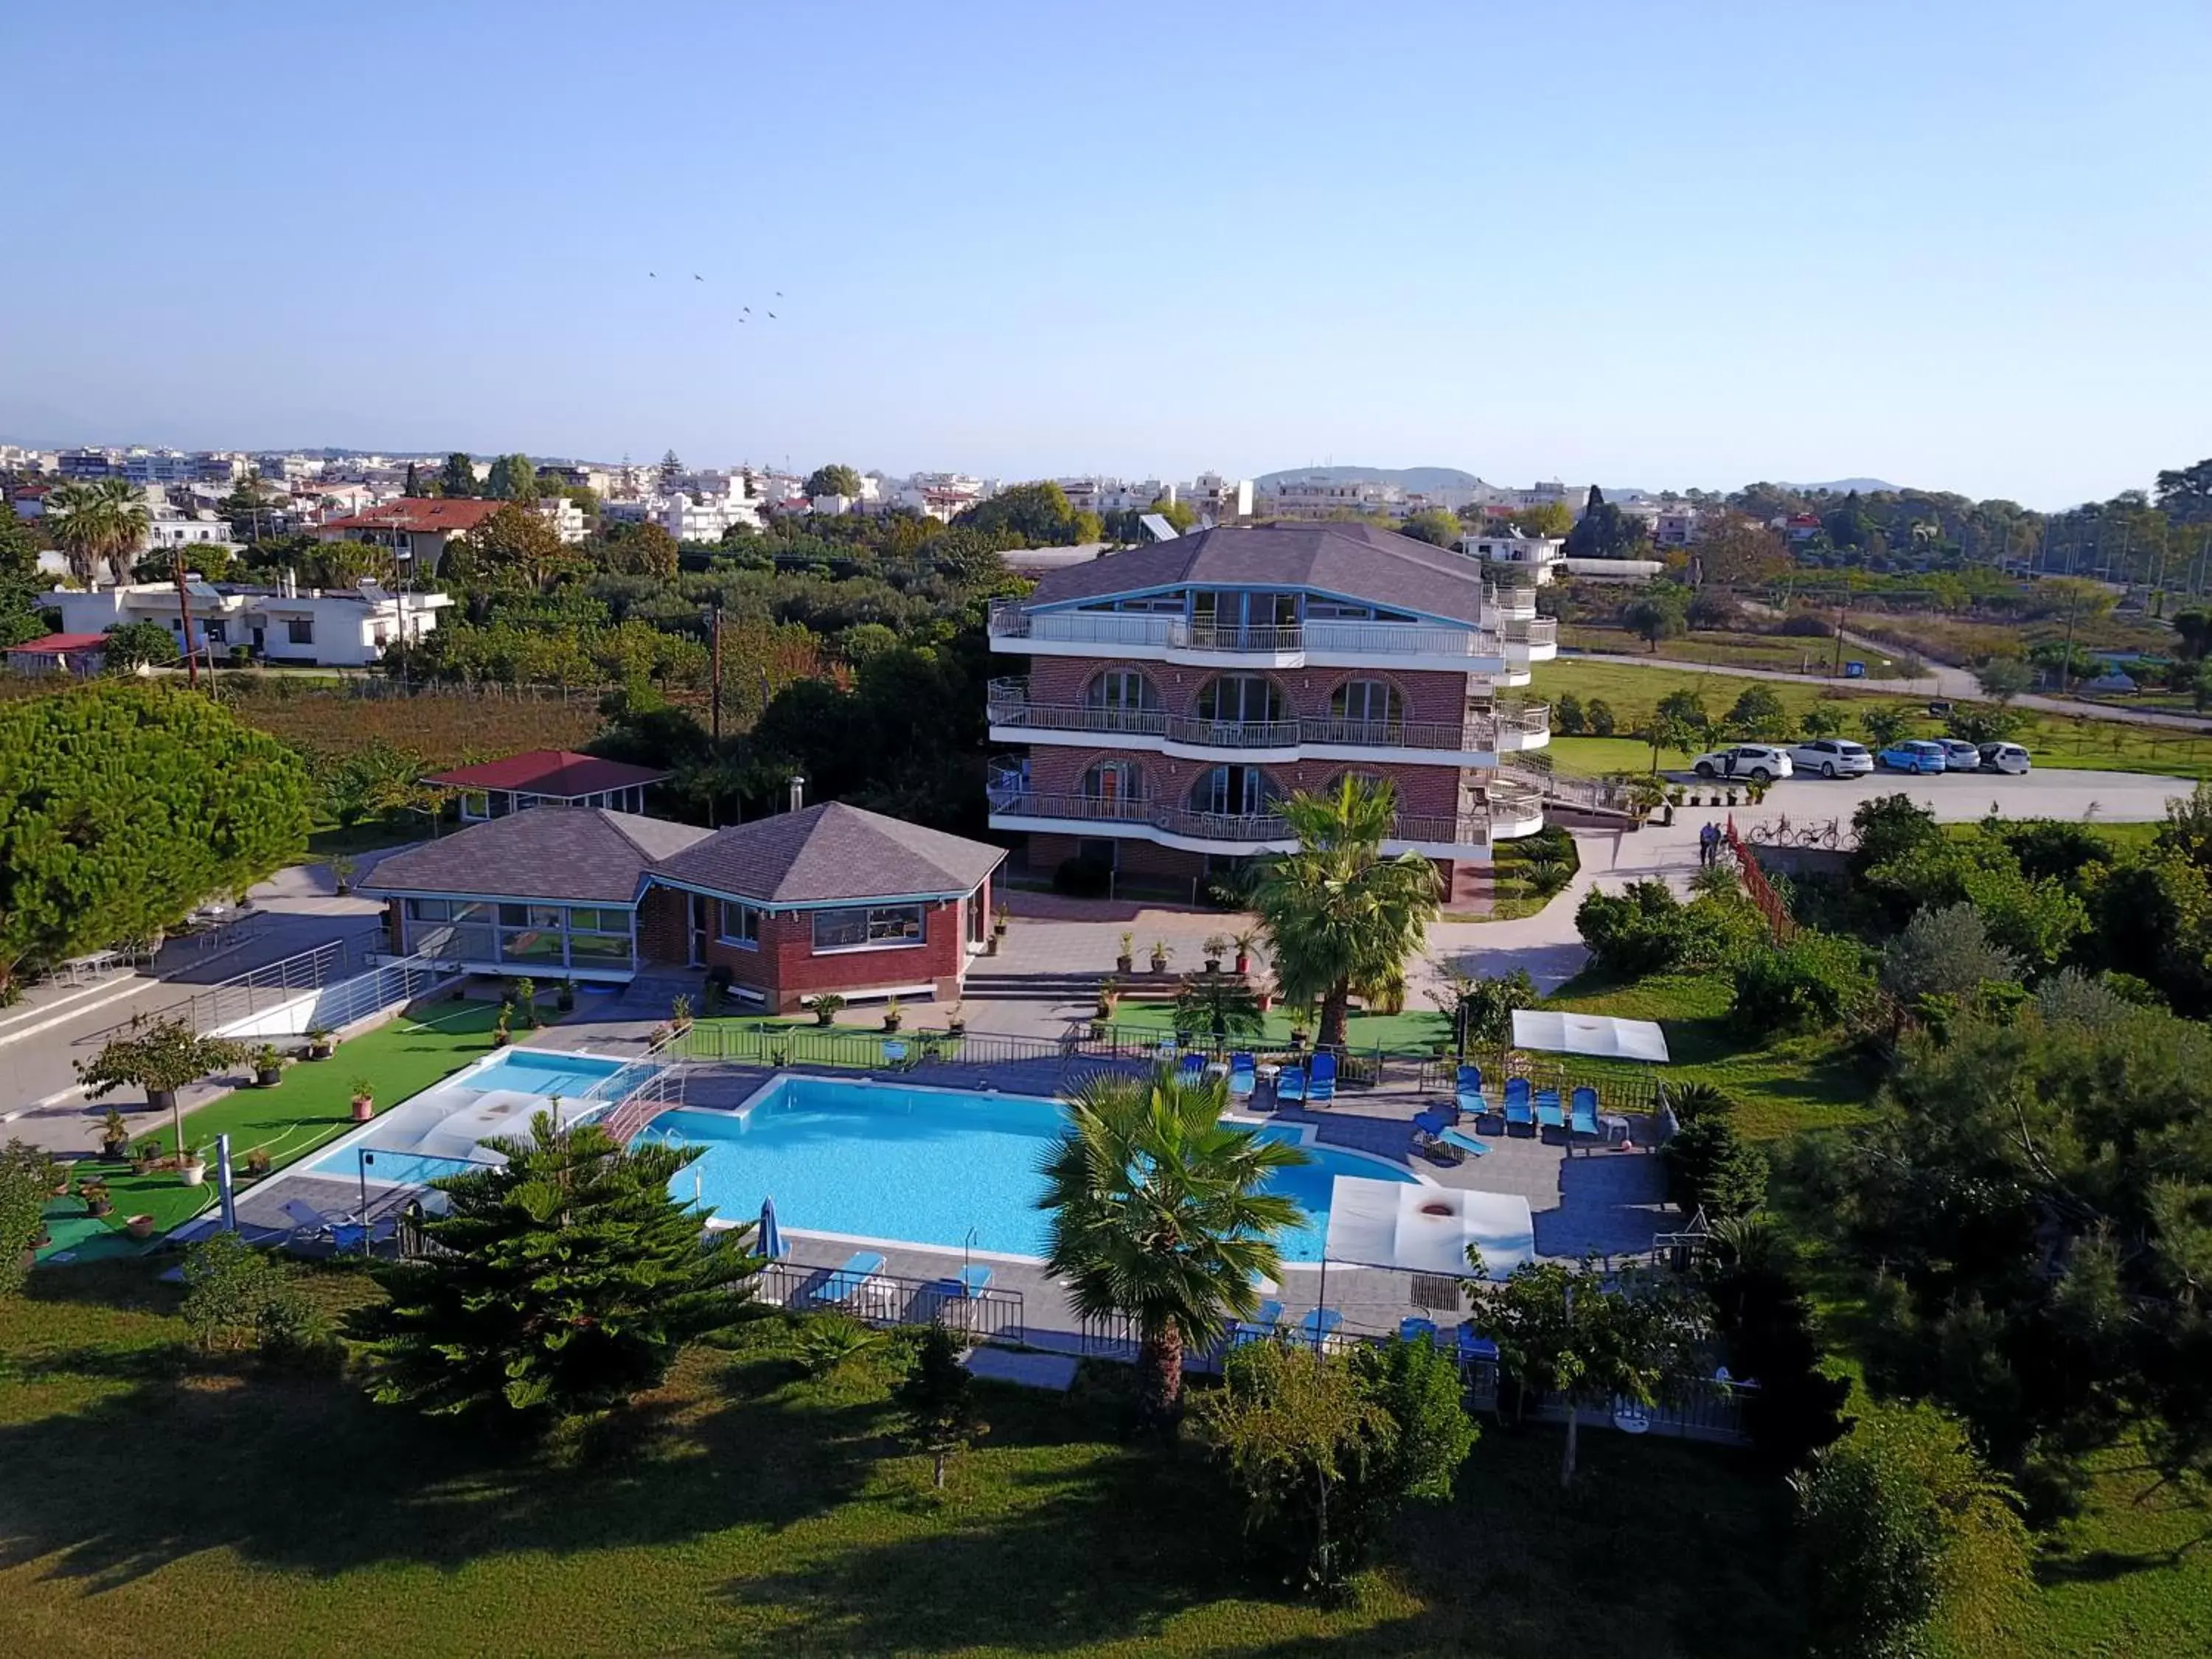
341, 628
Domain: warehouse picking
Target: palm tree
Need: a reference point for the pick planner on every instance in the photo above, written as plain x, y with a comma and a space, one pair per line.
1337, 913
1159, 1212
103, 521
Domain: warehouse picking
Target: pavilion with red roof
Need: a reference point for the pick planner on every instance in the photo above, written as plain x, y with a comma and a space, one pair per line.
548, 777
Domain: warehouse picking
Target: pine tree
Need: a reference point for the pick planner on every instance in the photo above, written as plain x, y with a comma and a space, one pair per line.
563, 1282
935, 1398
458, 477
414, 489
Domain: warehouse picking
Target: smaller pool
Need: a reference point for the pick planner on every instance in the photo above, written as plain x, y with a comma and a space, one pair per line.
531, 1071
396, 1169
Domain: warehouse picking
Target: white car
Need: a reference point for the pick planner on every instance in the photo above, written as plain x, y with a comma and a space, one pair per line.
1832, 757
1760, 762
2005, 758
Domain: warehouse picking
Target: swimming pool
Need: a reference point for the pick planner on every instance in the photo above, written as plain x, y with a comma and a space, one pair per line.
876, 1160
533, 1073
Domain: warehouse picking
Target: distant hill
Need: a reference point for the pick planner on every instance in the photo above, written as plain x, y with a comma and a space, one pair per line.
1845, 486
1405, 478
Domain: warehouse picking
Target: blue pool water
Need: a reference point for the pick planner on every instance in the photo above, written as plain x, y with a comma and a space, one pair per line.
401, 1169
532, 1072
926, 1165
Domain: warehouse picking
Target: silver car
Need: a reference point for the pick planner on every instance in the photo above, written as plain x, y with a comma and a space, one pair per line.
1831, 757
1958, 754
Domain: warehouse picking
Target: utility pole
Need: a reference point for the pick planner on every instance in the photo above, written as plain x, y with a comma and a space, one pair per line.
2066, 668
714, 670
185, 611
1843, 615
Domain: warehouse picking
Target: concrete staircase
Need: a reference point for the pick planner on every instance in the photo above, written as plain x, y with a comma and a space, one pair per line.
1040, 986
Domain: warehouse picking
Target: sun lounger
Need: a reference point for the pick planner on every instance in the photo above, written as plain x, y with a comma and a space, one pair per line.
1516, 1102
1582, 1112
1430, 1121
1320, 1324
848, 1280
1321, 1089
1468, 1091
1259, 1327
1243, 1076
1193, 1068
1548, 1113
304, 1217
1465, 1142
1472, 1346
971, 1281
1292, 1084
1417, 1329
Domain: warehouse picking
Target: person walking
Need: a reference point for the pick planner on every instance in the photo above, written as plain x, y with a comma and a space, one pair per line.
1708, 843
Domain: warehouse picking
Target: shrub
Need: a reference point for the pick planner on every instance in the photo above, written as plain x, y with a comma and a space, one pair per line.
1600, 717
1567, 715
1693, 1101
1985, 722
1645, 929
237, 1297
1711, 1167
23, 1190
1911, 1547
1806, 985
1758, 711
1804, 625
1944, 952
1083, 878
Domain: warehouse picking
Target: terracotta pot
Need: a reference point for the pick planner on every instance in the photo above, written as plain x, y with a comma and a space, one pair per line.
140, 1226
99, 1206
364, 1108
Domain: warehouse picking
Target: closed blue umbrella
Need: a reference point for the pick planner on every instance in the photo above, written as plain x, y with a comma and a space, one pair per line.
769, 1243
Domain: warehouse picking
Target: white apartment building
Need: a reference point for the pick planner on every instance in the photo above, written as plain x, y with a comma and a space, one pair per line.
1515, 560
177, 530
706, 519
337, 628
565, 516
1316, 498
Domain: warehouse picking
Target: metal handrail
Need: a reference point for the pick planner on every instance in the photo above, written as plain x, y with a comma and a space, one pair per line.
1471, 829
1145, 628
1009, 706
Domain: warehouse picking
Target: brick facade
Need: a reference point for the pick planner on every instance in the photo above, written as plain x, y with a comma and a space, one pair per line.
1424, 696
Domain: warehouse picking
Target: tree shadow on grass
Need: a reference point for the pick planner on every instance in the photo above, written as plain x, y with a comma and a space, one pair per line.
309, 1475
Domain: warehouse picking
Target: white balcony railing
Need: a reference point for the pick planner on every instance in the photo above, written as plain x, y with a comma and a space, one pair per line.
1009, 706
1144, 630
1224, 829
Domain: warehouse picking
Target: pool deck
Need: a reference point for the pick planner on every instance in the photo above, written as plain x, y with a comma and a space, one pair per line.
1584, 1201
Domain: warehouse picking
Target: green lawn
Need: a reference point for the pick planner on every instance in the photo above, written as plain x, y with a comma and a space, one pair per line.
1633, 692
1416, 1032
1784, 652
194, 1507
313, 1106
1803, 1083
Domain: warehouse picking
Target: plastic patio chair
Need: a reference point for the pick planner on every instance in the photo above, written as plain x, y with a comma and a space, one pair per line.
1290, 1084
1582, 1112
1516, 1102
1243, 1076
1321, 1088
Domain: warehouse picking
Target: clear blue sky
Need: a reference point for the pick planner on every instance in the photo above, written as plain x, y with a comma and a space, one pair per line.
1958, 245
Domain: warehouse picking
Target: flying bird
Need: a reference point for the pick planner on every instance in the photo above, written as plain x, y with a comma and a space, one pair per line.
696, 277
778, 293
653, 273
748, 310
771, 316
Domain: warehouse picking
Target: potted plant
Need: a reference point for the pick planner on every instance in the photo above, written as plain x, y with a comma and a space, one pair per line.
256, 1163
999, 917
679, 1013
565, 998
268, 1066
1244, 941
501, 1030
320, 1043
1161, 952
892, 1016
526, 1001
955, 1023
364, 1100
95, 1196
162, 1059
146, 1157
140, 1226
114, 1137
658, 1035
1216, 947
191, 1165
1126, 963
1299, 1036
825, 1007
342, 869
1109, 998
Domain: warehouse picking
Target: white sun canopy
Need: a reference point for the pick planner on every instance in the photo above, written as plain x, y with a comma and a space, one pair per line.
1426, 1229
1595, 1036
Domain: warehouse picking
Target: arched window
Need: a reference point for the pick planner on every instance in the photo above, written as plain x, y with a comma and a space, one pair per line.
1113, 781
1127, 700
1373, 704
1240, 700
1233, 790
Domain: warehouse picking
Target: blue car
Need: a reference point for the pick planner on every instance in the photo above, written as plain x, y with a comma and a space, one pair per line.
1915, 755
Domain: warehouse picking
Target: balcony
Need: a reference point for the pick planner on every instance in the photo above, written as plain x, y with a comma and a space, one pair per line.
1014, 807
1478, 740
1533, 638
1156, 637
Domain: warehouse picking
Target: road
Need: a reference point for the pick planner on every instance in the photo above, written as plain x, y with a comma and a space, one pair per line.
1939, 681
55, 1025
1965, 797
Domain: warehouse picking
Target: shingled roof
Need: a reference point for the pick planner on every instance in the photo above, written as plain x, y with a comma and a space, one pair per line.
1359, 561
831, 853
562, 854
560, 773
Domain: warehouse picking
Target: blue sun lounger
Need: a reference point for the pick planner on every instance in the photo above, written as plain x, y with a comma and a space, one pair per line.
971, 1281
1244, 1077
1469, 1091
1465, 1142
1290, 1084
1193, 1068
1549, 1115
848, 1280
1582, 1112
1320, 1324
1321, 1088
1516, 1102
1259, 1327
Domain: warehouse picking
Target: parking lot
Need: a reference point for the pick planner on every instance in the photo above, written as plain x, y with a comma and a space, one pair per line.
2113, 797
